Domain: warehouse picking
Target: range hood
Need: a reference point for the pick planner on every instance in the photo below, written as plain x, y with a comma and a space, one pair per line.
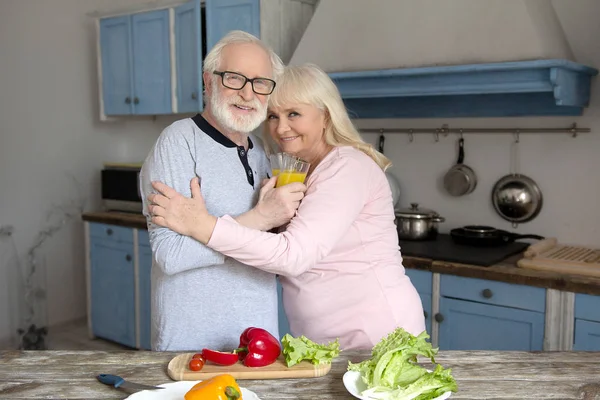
459, 58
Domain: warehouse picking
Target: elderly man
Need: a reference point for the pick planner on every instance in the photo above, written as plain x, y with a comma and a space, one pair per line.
201, 299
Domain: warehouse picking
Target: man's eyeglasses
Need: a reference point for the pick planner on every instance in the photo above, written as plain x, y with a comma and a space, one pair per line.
233, 80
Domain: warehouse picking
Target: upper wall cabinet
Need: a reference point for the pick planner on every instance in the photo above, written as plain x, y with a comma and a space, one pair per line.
151, 62
136, 66
223, 16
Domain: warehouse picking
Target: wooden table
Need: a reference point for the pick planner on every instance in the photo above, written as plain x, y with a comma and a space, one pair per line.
480, 375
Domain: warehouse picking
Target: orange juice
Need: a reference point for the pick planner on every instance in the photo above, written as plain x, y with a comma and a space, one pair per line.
275, 172
290, 176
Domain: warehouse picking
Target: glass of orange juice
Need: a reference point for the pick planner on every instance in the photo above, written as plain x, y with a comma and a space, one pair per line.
276, 162
292, 169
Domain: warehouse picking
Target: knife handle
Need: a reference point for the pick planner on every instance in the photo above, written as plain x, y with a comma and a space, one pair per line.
112, 380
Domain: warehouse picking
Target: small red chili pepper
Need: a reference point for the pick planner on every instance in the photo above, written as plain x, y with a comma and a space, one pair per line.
258, 348
219, 357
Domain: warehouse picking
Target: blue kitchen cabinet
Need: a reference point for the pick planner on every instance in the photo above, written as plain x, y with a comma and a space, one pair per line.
476, 314
136, 64
112, 298
144, 290
189, 36
115, 53
587, 323
422, 281
223, 16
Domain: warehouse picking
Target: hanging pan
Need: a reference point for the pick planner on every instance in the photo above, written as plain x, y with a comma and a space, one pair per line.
460, 179
516, 197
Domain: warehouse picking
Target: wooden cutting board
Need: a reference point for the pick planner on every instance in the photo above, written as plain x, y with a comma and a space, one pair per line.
548, 255
178, 370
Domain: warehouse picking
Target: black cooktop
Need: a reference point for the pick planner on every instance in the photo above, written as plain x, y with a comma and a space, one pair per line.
443, 248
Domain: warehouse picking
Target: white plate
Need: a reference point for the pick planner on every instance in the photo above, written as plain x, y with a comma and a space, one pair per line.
355, 385
176, 391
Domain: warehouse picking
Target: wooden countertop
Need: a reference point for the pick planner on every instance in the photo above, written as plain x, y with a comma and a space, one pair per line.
131, 220
479, 374
505, 271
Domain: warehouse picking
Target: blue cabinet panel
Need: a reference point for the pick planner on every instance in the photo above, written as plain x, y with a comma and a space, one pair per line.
111, 232
587, 307
188, 47
491, 292
223, 16
475, 326
112, 291
115, 50
152, 63
587, 335
426, 301
422, 281
144, 293
143, 238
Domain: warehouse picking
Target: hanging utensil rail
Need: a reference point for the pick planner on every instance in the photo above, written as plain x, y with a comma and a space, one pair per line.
445, 130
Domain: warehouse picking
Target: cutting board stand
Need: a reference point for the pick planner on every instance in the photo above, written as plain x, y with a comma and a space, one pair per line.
178, 370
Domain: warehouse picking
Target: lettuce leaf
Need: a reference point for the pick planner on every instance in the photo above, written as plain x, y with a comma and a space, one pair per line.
392, 372
302, 348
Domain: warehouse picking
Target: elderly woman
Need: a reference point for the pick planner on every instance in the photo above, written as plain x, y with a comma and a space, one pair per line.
338, 258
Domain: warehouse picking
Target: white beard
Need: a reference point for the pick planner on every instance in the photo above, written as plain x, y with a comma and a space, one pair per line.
220, 106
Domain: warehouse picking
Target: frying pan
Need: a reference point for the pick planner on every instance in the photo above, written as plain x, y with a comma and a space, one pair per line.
460, 178
486, 236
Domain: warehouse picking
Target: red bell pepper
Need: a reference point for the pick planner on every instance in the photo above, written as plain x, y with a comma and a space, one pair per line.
258, 348
219, 357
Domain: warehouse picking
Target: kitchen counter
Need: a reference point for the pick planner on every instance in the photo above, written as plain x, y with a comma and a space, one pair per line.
130, 220
505, 271
479, 374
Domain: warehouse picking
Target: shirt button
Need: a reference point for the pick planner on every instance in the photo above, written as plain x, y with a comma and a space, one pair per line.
242, 152
249, 173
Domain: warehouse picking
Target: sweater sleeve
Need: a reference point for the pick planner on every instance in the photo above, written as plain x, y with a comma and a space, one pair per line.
334, 199
171, 162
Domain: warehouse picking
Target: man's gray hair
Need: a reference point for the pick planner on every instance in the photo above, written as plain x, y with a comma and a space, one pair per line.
213, 58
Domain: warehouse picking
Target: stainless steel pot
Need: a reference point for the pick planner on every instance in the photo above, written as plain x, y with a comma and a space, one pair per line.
416, 223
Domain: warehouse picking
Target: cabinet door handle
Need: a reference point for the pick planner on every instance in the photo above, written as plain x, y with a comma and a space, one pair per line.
127, 100
487, 293
194, 96
128, 257
136, 101
426, 314
439, 317
109, 231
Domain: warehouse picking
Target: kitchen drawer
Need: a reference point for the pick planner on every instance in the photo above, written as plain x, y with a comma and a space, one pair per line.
421, 280
491, 292
587, 307
143, 238
111, 232
587, 336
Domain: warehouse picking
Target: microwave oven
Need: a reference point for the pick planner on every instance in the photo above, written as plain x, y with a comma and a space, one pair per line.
121, 187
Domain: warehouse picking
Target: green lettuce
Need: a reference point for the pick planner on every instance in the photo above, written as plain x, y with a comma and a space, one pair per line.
392, 372
302, 348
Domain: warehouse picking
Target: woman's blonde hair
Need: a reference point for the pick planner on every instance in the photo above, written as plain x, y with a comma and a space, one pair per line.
309, 84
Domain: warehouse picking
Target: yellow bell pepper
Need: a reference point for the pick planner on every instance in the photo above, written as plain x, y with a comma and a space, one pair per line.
220, 387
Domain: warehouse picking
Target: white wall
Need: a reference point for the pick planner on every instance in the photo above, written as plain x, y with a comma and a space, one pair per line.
564, 168
49, 131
